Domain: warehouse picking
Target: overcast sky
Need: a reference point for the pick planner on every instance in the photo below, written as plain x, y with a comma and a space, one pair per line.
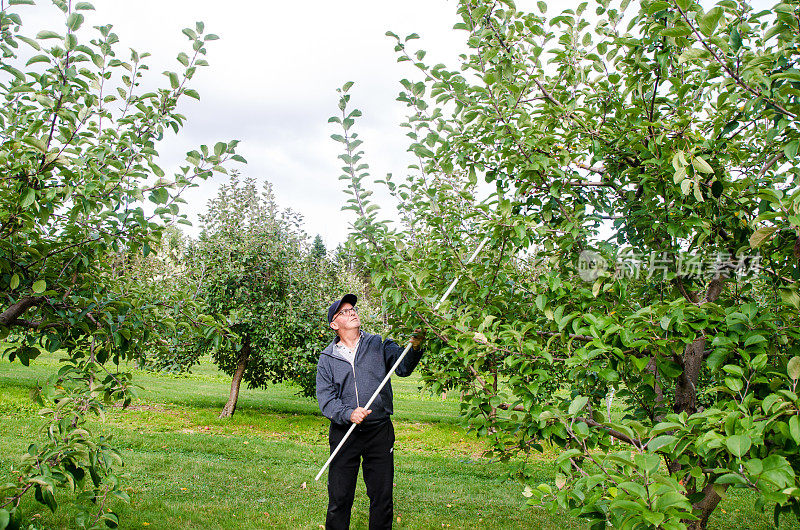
272, 84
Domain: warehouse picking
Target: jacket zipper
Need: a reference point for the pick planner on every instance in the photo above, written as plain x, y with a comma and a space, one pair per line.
353, 366
355, 383
355, 379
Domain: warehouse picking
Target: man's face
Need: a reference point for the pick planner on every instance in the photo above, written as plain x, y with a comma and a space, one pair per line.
346, 318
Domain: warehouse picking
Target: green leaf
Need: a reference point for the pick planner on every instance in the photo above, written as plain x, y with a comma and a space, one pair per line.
738, 444
736, 39
791, 75
39, 286
47, 34
731, 478
19, 3
754, 339
30, 42
634, 488
691, 54
793, 368
640, 362
28, 196
680, 175
5, 517
701, 165
74, 21
84, 6
541, 301
38, 59
13, 71
754, 466
38, 143
192, 93
657, 6
111, 520
777, 470
159, 196
577, 404
734, 383
790, 297
14, 283
671, 498
759, 361
677, 31
49, 499
794, 428
698, 195
790, 149
761, 235
708, 22
660, 441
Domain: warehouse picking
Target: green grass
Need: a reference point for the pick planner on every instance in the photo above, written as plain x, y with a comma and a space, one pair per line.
186, 468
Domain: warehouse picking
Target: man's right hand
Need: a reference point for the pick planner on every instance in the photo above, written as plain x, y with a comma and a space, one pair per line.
359, 414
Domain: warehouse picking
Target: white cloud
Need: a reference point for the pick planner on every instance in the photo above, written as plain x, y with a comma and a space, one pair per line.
272, 82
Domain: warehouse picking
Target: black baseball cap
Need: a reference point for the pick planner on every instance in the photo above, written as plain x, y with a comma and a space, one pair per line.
334, 308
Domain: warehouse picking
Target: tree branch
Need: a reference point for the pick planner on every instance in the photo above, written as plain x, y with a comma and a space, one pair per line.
769, 163
730, 72
583, 338
586, 183
10, 315
689, 295
714, 290
593, 169
36, 325
616, 434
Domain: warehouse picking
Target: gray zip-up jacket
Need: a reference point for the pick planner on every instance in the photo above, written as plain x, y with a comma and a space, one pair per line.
341, 386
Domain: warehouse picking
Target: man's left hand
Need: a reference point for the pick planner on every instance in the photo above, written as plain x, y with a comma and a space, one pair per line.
417, 338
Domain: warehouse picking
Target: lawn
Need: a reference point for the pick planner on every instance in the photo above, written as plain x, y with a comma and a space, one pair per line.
186, 468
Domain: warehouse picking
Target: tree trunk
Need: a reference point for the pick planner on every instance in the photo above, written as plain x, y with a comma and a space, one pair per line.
686, 401
652, 367
16, 309
233, 398
692, 361
705, 507
686, 385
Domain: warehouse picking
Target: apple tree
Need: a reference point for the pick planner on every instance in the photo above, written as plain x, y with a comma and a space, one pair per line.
80, 186
257, 272
644, 225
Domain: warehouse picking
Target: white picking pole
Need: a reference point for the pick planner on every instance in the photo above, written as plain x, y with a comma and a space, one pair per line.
396, 364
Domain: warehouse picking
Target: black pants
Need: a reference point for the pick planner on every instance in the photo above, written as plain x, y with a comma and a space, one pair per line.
372, 445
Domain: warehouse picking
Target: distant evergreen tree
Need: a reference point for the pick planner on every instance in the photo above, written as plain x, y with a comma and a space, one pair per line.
318, 250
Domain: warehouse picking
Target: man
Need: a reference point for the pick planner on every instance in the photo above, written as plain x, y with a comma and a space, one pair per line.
349, 371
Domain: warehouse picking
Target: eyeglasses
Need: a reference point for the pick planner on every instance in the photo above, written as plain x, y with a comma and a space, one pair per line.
347, 312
